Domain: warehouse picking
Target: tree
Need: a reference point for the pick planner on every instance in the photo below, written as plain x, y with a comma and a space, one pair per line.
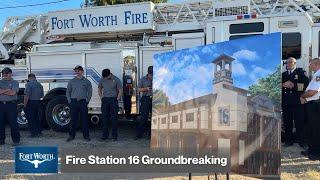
160, 101
269, 86
88, 3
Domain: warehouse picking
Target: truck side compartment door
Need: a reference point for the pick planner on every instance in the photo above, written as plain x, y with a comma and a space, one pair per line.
146, 54
315, 42
220, 31
187, 40
241, 28
296, 38
96, 61
214, 32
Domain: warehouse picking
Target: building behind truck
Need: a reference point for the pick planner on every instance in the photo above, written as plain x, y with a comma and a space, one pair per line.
51, 44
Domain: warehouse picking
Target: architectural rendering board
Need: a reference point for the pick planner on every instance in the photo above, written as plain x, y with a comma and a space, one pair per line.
224, 95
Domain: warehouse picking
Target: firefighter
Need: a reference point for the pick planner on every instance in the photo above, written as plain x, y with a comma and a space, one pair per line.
9, 89
311, 97
294, 82
110, 91
145, 87
79, 93
32, 94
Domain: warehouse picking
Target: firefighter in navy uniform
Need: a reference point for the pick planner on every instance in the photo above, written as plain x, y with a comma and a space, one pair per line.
79, 93
311, 97
8, 106
32, 95
294, 82
110, 92
145, 87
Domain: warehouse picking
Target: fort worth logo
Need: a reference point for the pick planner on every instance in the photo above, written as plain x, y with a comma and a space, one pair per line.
36, 157
36, 160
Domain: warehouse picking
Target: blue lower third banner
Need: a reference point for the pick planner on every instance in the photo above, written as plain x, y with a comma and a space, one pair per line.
36, 160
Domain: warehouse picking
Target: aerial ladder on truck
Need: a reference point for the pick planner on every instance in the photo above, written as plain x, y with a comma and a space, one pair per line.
20, 33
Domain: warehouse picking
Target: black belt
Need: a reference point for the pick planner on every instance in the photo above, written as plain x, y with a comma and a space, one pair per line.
7, 102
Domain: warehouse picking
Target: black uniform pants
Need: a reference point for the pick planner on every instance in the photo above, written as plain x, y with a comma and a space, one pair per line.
145, 110
127, 104
109, 110
76, 108
313, 136
293, 114
32, 114
8, 111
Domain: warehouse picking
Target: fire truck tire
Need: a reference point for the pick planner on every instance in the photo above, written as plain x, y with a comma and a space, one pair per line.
21, 116
22, 119
58, 114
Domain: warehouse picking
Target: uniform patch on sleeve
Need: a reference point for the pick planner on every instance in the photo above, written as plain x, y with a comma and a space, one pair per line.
317, 78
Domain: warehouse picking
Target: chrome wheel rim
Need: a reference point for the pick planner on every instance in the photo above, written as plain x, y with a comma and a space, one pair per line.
61, 114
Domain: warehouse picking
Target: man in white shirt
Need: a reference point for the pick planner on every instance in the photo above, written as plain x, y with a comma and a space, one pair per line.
311, 97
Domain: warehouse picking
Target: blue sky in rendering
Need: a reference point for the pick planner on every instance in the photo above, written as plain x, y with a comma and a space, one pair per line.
188, 73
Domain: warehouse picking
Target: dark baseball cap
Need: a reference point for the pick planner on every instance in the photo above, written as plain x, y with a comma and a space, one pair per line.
78, 68
106, 73
150, 70
6, 70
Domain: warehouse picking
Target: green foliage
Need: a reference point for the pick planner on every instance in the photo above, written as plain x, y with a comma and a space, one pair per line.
160, 100
88, 3
269, 86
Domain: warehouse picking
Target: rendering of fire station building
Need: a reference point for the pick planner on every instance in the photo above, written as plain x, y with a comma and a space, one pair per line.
249, 127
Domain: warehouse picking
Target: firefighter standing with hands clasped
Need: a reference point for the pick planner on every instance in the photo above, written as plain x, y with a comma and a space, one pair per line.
294, 82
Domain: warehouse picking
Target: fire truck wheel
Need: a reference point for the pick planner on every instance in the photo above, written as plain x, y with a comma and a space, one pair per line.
21, 118
58, 114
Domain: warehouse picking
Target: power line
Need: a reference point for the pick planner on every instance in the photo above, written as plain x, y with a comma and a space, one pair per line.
37, 4
16, 3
